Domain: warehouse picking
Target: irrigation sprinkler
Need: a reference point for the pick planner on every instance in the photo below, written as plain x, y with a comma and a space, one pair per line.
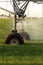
15, 37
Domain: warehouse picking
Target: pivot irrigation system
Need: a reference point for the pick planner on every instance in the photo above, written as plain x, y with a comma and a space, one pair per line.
19, 11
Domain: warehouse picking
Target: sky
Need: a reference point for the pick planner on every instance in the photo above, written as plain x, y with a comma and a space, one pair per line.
33, 9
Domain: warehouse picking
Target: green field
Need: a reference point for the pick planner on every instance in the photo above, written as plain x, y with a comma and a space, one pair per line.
30, 53
5, 28
33, 26
21, 55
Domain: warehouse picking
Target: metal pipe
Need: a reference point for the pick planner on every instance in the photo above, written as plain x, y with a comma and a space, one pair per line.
30, 0
15, 21
15, 18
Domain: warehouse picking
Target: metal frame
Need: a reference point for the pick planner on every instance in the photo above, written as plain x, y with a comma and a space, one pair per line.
19, 11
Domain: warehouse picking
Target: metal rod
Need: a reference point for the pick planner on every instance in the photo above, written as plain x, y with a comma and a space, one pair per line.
15, 17
30, 0
7, 10
23, 5
15, 21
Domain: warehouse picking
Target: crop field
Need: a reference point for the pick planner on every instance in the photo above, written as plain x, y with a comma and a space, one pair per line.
31, 52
